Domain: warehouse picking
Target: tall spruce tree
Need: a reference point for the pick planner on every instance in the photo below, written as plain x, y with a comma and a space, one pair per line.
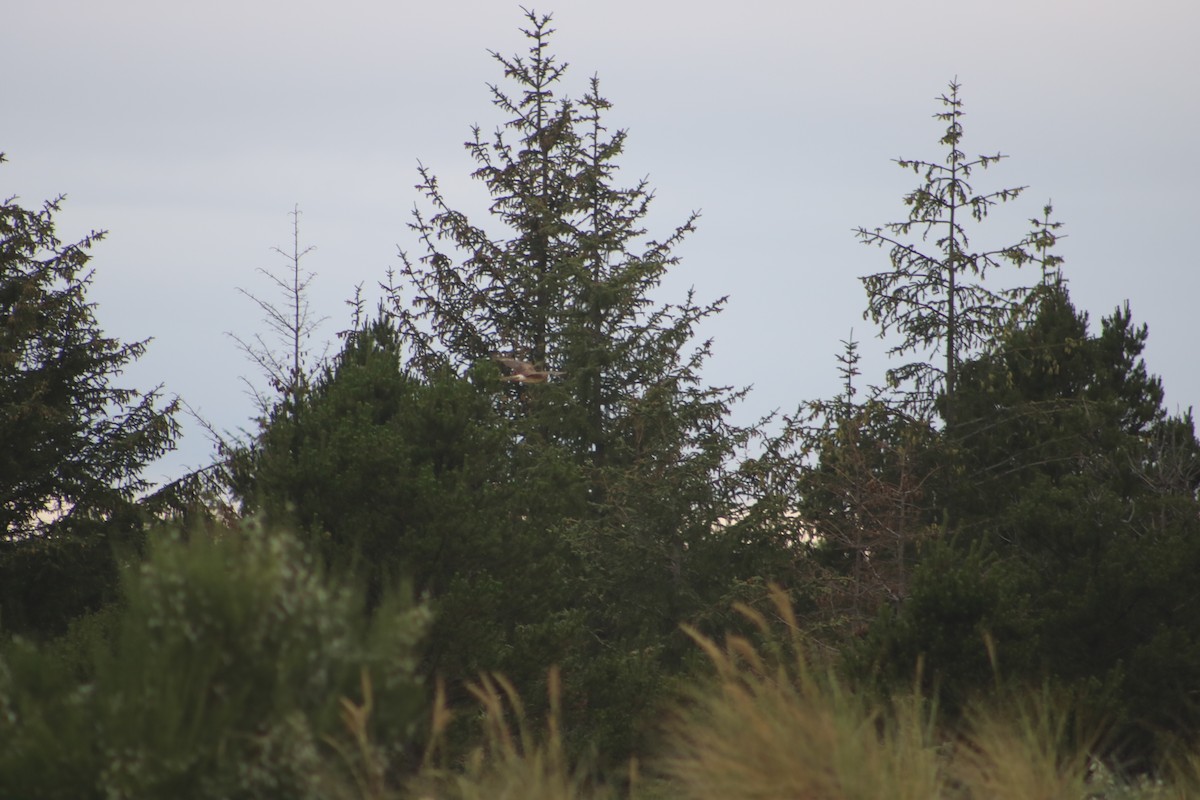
935, 298
630, 447
501, 295
568, 290
1077, 536
72, 443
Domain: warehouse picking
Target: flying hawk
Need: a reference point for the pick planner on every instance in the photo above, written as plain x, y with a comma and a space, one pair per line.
523, 371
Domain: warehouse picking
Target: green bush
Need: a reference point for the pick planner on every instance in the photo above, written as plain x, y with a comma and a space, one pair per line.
218, 675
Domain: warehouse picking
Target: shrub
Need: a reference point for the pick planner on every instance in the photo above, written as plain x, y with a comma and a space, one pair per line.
221, 677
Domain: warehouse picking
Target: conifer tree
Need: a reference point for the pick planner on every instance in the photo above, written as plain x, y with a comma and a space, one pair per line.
569, 288
849, 482
500, 295
1076, 535
72, 443
405, 479
934, 297
283, 356
630, 448
286, 362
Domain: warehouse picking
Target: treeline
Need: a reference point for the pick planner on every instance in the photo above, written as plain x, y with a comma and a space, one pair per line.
512, 466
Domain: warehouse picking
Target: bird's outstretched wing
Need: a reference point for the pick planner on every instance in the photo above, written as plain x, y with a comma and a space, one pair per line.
523, 371
515, 365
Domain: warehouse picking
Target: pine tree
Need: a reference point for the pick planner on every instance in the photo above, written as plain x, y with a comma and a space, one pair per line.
1054, 405
624, 438
286, 363
283, 356
569, 289
849, 483
935, 298
72, 444
406, 479
1075, 540
501, 295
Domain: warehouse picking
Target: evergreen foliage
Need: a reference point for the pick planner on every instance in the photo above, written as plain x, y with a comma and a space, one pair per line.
1049, 523
849, 484
521, 436
1077, 520
630, 448
218, 675
935, 298
395, 477
570, 288
72, 444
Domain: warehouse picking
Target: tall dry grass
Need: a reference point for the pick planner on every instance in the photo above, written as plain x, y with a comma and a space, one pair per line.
771, 724
513, 760
1029, 748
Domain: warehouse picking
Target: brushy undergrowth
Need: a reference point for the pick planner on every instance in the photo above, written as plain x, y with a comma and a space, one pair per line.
233, 669
217, 676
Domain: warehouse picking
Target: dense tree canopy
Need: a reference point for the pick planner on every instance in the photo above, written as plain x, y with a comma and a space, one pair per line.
427, 493
73, 444
1077, 534
630, 448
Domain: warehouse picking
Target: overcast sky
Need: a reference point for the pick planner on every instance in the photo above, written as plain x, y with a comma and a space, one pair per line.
190, 131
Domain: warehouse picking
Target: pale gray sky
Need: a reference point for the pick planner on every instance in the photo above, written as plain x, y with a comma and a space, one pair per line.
189, 131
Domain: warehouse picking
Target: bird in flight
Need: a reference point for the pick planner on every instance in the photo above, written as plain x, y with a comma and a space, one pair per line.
523, 372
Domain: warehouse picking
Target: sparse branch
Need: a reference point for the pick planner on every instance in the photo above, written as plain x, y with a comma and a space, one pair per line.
937, 300
284, 361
